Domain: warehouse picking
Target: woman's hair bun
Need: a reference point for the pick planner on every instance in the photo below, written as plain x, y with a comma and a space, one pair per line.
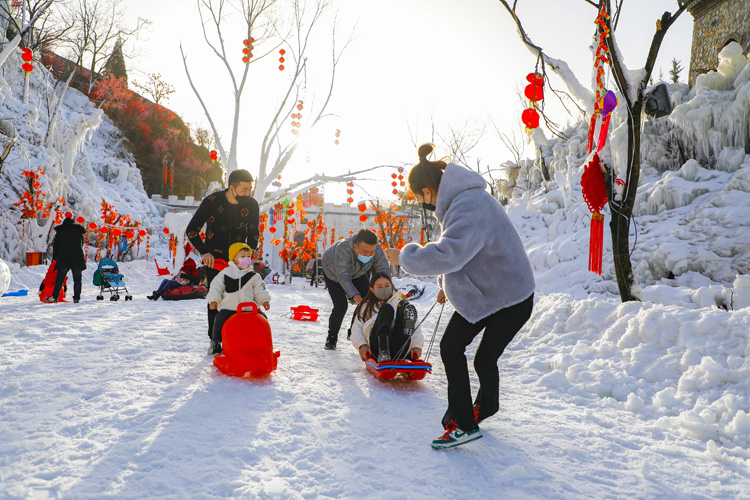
425, 150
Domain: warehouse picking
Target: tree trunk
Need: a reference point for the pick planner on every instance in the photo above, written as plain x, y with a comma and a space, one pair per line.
622, 211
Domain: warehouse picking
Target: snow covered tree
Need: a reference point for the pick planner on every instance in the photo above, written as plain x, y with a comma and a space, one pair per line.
269, 26
631, 85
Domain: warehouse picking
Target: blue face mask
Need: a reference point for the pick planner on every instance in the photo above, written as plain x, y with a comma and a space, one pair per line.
363, 259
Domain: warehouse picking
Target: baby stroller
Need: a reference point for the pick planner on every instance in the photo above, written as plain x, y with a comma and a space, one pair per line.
108, 278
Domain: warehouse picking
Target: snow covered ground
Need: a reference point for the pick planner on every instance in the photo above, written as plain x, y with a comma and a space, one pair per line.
600, 400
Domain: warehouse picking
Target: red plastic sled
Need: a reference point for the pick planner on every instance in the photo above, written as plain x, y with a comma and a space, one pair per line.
161, 271
246, 344
304, 313
48, 285
410, 369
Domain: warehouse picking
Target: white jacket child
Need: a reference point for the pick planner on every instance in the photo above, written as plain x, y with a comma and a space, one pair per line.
361, 330
233, 286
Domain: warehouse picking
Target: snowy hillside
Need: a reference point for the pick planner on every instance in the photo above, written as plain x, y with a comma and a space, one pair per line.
85, 163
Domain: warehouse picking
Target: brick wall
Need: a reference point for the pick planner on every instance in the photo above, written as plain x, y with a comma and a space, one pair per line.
717, 22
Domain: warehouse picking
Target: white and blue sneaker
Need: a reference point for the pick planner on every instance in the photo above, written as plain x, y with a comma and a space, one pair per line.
455, 437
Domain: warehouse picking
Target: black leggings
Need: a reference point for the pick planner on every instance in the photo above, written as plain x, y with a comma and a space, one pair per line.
499, 330
398, 343
211, 273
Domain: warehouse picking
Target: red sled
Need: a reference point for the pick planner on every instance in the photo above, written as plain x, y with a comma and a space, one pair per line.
48, 285
415, 369
161, 271
304, 313
246, 344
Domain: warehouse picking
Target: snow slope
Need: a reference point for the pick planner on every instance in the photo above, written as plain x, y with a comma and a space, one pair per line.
119, 400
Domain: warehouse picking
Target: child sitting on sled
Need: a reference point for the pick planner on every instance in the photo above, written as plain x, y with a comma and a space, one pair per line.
188, 275
384, 323
236, 284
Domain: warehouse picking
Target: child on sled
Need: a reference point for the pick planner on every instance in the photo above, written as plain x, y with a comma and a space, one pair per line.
236, 284
384, 323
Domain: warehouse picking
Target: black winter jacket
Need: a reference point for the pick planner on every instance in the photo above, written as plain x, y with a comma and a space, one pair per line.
67, 248
222, 229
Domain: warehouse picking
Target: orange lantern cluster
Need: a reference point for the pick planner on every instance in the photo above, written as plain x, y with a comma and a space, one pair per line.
338, 134
297, 116
350, 192
534, 92
214, 156
362, 207
27, 56
247, 50
281, 59
393, 228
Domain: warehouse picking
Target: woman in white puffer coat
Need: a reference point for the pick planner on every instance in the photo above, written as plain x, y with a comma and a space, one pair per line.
384, 323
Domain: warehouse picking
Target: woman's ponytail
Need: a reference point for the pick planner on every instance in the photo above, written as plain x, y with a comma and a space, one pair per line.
426, 173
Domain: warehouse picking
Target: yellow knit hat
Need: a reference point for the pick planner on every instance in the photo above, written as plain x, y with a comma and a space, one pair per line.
235, 248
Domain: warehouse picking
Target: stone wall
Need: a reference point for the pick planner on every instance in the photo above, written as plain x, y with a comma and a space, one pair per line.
717, 22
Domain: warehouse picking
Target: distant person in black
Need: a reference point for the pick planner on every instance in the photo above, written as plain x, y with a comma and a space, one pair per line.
67, 252
230, 216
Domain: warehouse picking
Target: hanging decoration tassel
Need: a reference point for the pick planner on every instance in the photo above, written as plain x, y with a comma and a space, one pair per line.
595, 194
608, 104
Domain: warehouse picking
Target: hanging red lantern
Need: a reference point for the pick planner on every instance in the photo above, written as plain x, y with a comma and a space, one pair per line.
535, 79
395, 191
103, 230
246, 42
282, 52
281, 67
80, 220
28, 68
129, 235
595, 194
166, 230
68, 215
27, 55
533, 92
290, 211
393, 176
92, 226
116, 232
394, 183
530, 118
363, 217
141, 233
350, 200
362, 206
272, 229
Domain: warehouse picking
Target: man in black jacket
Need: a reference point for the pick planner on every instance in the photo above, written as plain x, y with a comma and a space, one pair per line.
67, 252
230, 216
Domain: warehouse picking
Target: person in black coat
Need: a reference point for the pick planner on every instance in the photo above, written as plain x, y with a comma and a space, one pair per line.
67, 252
230, 216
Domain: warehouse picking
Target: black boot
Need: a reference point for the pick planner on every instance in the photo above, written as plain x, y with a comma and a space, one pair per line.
384, 353
331, 341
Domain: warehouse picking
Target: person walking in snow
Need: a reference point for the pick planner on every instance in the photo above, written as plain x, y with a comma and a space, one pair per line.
484, 272
347, 265
384, 323
67, 252
230, 216
236, 284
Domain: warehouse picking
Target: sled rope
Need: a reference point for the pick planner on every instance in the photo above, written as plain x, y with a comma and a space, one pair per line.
432, 341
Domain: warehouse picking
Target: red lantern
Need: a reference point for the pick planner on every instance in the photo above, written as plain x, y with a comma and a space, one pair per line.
166, 230
363, 217
92, 226
141, 233
246, 42
350, 200
80, 220
394, 183
393, 176
103, 230
535, 79
116, 232
533, 92
129, 235
362, 206
27, 56
68, 215
282, 52
290, 211
530, 118
272, 229
395, 191
28, 68
281, 67
246, 51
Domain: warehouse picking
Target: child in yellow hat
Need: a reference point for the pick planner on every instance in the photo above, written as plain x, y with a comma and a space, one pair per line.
236, 284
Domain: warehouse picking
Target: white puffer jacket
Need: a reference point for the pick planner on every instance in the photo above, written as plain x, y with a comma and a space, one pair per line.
361, 330
233, 285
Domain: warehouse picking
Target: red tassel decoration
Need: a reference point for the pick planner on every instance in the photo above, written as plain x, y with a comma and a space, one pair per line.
603, 133
596, 243
595, 195
590, 139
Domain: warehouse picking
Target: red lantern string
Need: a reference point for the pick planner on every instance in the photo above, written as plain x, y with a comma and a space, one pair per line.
595, 195
534, 92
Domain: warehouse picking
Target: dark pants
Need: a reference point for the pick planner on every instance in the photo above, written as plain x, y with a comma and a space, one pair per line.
166, 285
398, 343
211, 273
500, 328
62, 272
341, 302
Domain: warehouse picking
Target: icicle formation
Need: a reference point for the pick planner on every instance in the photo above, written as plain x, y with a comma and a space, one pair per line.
595, 194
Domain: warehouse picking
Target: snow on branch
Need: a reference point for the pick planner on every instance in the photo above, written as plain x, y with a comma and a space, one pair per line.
13, 44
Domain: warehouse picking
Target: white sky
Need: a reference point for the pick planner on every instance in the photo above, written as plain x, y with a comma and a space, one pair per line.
412, 61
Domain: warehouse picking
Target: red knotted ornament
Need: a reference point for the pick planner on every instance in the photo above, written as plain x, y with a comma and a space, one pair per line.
595, 194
